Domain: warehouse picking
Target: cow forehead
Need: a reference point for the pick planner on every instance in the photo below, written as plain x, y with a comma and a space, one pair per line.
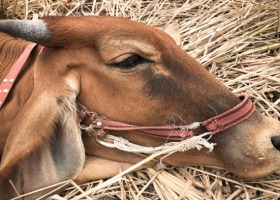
101, 30
120, 29
112, 36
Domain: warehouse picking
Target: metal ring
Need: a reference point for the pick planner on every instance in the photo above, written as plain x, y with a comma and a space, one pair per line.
183, 135
80, 126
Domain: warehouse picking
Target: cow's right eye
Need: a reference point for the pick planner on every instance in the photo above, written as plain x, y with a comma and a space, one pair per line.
130, 62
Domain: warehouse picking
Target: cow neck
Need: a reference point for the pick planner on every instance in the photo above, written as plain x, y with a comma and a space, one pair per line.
98, 125
9, 80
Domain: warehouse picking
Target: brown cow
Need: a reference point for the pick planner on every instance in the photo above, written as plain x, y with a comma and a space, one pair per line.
131, 73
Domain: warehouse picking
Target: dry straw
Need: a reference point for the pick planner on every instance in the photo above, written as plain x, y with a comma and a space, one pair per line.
236, 40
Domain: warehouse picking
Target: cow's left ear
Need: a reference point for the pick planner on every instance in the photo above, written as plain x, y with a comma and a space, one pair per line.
173, 31
44, 145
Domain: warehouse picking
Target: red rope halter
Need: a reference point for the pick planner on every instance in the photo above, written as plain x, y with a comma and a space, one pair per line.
100, 124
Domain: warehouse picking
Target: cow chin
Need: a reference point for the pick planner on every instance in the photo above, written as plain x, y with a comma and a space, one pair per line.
247, 149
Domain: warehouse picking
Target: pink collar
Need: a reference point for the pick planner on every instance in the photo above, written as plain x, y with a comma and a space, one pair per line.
9, 80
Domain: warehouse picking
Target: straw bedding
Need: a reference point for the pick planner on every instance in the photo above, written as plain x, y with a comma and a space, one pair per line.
237, 41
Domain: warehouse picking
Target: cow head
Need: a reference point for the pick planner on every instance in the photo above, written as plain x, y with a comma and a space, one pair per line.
136, 74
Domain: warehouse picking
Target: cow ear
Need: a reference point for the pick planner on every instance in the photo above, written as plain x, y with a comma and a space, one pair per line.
173, 31
44, 145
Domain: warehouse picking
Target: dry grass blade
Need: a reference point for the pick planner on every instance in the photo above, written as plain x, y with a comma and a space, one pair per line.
235, 40
192, 142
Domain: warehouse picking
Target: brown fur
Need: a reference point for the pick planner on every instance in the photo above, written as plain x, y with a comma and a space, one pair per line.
39, 121
10, 50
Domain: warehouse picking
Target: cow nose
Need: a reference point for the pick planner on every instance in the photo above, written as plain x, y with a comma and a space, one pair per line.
276, 142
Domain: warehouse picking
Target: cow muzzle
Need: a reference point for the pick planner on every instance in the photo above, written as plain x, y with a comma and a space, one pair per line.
251, 149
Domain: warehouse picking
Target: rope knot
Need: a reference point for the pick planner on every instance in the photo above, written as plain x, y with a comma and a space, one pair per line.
193, 126
121, 140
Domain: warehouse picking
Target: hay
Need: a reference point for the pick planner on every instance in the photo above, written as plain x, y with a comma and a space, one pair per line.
235, 40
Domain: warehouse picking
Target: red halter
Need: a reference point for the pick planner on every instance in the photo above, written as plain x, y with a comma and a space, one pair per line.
100, 124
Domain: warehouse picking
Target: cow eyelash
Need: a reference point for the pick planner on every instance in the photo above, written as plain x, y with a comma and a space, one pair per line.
131, 62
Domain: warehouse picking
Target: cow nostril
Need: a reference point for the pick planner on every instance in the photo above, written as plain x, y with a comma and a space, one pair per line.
276, 142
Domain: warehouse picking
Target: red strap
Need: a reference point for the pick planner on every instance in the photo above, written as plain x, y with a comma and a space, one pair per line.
216, 124
231, 117
172, 132
9, 80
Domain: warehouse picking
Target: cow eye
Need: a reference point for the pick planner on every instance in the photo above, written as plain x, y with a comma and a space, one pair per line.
131, 62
